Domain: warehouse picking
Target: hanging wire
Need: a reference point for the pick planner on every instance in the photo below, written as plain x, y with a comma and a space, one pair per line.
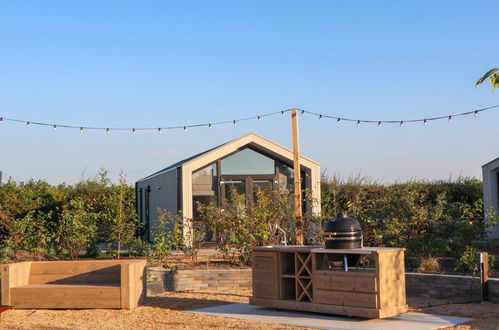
379, 123
402, 122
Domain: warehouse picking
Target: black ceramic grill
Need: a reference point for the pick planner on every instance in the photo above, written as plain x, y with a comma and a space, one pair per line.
343, 233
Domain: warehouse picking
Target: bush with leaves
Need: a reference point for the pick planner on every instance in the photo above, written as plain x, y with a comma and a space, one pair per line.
77, 228
163, 238
238, 226
118, 214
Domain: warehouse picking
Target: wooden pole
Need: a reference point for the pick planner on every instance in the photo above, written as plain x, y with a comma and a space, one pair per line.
297, 175
483, 260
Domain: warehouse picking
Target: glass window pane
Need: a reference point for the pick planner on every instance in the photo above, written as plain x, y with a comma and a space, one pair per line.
247, 161
204, 187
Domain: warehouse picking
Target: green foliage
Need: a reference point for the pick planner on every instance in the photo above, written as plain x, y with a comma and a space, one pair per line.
429, 219
163, 238
239, 227
188, 236
118, 212
93, 250
493, 76
77, 228
32, 212
138, 247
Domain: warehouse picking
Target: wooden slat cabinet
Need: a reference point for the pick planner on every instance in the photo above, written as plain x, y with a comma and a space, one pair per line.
297, 278
265, 275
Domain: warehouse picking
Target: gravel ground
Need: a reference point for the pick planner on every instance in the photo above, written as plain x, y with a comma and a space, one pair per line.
166, 312
159, 312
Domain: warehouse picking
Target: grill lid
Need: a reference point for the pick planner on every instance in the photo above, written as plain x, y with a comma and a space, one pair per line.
342, 223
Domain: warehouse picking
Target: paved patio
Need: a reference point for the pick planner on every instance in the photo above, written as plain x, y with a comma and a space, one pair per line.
413, 321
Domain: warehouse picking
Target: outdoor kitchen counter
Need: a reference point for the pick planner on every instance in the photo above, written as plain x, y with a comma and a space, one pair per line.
315, 279
318, 249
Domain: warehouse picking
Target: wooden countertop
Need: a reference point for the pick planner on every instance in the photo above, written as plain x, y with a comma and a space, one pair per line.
319, 249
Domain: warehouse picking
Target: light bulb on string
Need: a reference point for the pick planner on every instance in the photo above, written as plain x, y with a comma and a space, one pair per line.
1, 120
234, 122
185, 128
450, 119
320, 117
133, 131
27, 124
159, 130
282, 113
338, 120
358, 122
302, 112
81, 129
425, 122
107, 130
259, 118
475, 113
401, 123
209, 125
379, 123
55, 127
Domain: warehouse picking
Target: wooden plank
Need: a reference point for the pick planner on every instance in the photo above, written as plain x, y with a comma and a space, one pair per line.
284, 248
390, 269
297, 177
73, 268
317, 308
137, 283
345, 282
125, 286
13, 275
363, 250
344, 298
66, 296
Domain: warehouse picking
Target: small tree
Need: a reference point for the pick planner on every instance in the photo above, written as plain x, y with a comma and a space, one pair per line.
163, 237
77, 228
119, 214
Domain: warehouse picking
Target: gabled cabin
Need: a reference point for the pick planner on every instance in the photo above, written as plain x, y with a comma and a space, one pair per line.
243, 163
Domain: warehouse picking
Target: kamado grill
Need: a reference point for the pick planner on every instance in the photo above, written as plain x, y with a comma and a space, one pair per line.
343, 233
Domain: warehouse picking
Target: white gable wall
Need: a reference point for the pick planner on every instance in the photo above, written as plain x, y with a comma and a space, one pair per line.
490, 173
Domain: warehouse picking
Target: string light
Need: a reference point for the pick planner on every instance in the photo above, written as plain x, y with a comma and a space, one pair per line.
425, 121
159, 130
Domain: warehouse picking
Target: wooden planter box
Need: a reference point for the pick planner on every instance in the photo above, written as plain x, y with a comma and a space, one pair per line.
298, 278
74, 284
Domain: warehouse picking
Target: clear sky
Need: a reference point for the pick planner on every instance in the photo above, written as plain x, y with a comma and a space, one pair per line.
160, 63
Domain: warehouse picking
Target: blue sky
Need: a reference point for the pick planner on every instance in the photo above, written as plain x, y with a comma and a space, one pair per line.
161, 63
